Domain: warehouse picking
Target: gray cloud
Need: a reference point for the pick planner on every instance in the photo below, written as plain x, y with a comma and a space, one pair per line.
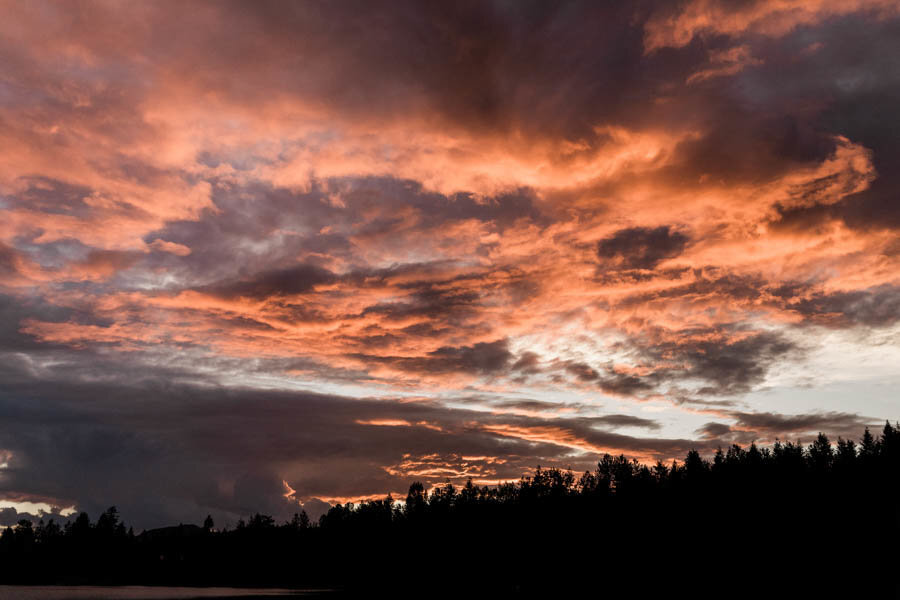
287, 281
641, 247
165, 451
749, 427
483, 358
849, 425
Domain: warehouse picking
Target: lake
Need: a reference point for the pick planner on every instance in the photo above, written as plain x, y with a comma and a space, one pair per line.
86, 592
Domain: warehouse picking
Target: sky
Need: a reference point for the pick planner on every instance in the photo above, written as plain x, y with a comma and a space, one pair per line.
271, 256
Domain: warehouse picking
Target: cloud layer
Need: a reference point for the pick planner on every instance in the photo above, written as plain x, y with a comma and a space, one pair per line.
253, 256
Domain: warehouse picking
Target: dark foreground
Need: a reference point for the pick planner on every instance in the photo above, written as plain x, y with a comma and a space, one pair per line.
788, 520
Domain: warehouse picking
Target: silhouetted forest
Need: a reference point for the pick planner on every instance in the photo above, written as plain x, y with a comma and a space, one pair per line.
821, 518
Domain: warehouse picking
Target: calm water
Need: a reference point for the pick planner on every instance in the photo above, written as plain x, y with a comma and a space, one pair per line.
85, 592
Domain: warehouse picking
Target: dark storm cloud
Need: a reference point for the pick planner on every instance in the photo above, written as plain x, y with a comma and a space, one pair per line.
482, 358
725, 361
620, 384
849, 425
876, 307
477, 64
857, 92
13, 310
731, 367
736, 366
641, 247
454, 299
288, 281
433, 209
784, 110
744, 146
749, 427
165, 452
608, 380
714, 430
438, 304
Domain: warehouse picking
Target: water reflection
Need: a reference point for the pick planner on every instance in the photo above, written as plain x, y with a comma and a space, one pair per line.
142, 593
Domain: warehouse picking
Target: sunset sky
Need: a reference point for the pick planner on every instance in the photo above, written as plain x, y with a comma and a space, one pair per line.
264, 256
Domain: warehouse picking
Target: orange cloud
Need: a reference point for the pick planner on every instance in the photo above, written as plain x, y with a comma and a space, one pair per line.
773, 18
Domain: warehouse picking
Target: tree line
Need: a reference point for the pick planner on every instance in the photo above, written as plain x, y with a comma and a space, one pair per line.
786, 518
